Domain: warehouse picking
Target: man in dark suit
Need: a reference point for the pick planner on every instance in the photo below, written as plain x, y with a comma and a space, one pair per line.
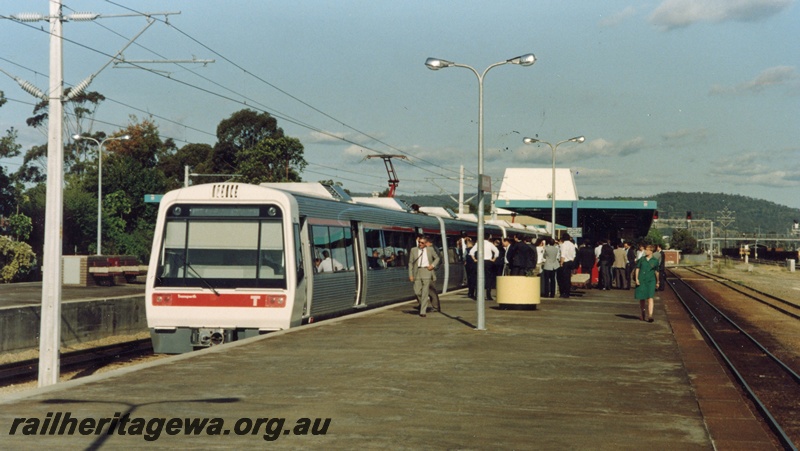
630, 252
524, 258
422, 264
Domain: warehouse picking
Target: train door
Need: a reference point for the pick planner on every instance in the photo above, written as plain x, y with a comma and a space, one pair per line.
334, 281
309, 267
360, 264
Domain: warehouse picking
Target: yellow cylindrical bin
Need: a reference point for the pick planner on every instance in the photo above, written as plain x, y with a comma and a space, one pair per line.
518, 291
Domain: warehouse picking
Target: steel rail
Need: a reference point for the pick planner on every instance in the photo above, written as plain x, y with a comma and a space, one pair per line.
772, 422
717, 278
71, 360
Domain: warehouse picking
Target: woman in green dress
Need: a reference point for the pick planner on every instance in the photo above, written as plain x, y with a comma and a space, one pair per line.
646, 278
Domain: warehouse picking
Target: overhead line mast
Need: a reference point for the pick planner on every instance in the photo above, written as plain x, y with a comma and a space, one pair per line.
387, 161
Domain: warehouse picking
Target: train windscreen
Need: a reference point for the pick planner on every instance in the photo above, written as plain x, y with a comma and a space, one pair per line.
222, 247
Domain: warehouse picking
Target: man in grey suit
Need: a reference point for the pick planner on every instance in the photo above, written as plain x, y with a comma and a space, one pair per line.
422, 264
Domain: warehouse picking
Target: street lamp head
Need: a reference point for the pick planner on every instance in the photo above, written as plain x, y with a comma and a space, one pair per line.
524, 60
77, 137
578, 139
436, 64
127, 137
530, 140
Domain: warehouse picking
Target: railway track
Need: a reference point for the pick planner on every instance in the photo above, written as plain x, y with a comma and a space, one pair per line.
772, 385
77, 360
784, 306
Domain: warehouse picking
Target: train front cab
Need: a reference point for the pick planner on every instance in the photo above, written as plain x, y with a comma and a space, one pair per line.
225, 265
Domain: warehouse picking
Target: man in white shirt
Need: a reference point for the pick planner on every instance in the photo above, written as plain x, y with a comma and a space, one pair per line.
329, 264
568, 253
490, 254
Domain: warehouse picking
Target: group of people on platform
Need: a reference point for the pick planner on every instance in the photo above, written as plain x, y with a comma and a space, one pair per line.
554, 261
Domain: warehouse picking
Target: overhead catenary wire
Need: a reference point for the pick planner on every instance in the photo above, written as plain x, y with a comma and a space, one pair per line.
250, 102
282, 91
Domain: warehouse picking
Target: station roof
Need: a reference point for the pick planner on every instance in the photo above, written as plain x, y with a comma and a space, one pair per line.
526, 191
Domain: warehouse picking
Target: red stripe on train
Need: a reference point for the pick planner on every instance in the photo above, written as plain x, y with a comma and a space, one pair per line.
223, 300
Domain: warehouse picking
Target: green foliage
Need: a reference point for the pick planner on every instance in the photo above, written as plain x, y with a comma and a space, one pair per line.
21, 226
7, 192
116, 206
243, 130
654, 237
683, 240
8, 144
249, 143
196, 156
80, 219
750, 215
271, 160
16, 259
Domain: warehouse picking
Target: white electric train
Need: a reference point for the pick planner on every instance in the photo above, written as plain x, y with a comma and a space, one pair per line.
231, 260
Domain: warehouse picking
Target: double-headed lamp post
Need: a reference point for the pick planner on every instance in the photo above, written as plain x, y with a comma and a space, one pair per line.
577, 139
436, 64
100, 180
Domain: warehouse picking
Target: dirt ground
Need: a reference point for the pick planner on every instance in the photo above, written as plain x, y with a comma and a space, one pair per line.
781, 330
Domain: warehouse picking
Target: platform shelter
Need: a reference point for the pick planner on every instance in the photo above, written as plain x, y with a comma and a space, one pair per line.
527, 191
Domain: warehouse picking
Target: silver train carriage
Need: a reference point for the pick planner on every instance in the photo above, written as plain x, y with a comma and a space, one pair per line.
231, 260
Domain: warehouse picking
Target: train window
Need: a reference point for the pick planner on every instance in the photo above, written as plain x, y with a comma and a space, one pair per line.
271, 264
373, 243
454, 250
333, 249
397, 245
223, 253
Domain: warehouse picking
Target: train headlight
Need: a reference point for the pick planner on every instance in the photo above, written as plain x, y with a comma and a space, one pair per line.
177, 211
272, 211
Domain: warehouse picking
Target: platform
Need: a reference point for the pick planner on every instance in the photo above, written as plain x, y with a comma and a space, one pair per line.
582, 373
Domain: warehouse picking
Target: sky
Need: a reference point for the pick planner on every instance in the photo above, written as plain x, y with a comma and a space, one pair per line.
671, 95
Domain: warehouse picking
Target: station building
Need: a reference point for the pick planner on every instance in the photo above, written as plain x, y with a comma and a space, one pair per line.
528, 192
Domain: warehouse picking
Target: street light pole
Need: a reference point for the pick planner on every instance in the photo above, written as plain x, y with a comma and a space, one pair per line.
578, 139
100, 181
436, 64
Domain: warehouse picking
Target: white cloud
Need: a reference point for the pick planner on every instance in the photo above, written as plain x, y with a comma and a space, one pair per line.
758, 168
617, 18
672, 14
571, 152
768, 78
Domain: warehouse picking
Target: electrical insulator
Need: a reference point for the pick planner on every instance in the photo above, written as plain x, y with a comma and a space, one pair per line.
29, 17
30, 89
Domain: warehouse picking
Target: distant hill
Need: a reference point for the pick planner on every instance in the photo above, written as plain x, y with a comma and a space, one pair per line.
749, 214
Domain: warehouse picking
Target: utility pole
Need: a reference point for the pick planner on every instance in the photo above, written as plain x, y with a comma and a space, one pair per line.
50, 328
50, 332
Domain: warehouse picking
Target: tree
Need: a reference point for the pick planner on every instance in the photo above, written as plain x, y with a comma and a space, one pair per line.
271, 160
8, 149
77, 110
243, 130
6, 194
684, 241
654, 237
129, 173
196, 156
21, 226
16, 259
